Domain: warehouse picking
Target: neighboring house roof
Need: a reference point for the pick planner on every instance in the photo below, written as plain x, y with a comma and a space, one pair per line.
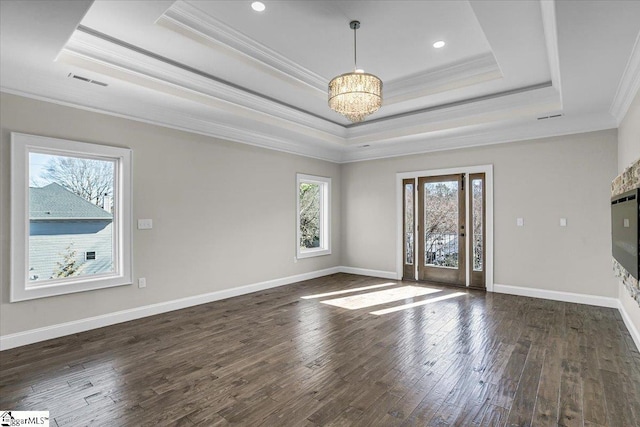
53, 201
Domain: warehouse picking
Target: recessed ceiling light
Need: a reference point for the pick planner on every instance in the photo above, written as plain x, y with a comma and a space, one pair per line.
439, 44
258, 6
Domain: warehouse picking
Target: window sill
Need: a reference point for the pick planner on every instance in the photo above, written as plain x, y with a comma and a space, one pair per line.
311, 253
66, 287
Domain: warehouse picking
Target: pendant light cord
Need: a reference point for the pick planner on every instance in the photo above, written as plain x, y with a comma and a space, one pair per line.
354, 25
355, 49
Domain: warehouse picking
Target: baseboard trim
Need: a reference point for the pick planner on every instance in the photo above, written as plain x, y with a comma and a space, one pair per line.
557, 295
55, 331
633, 331
367, 272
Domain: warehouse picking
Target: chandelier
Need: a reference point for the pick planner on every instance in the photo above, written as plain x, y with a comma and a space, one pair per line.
355, 95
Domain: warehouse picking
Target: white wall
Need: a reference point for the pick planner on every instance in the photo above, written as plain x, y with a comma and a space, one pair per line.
223, 213
628, 152
539, 180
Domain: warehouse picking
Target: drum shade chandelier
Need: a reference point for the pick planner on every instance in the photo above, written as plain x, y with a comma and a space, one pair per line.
355, 95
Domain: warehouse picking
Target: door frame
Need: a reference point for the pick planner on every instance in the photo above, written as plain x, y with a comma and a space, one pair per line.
488, 173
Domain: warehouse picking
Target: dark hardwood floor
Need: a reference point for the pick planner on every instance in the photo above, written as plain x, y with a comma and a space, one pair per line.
273, 358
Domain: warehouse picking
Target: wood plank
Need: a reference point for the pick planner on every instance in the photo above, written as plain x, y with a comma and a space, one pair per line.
546, 408
494, 416
272, 358
508, 382
521, 413
618, 411
570, 406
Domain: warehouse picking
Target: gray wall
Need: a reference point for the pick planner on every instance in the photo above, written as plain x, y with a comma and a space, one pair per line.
539, 180
223, 213
629, 152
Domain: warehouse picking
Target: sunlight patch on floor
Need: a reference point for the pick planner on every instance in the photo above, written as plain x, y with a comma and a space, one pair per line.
416, 304
370, 299
347, 291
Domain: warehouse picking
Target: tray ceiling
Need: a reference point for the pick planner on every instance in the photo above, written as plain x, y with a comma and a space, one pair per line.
219, 68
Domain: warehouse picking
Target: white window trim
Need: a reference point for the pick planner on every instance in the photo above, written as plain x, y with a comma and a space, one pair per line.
21, 145
325, 216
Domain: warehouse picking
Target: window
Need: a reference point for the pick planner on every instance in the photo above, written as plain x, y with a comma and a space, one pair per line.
69, 201
313, 218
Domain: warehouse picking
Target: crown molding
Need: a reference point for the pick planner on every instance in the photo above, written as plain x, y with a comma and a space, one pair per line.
480, 135
121, 61
629, 85
174, 119
184, 17
426, 142
550, 27
107, 56
514, 104
467, 72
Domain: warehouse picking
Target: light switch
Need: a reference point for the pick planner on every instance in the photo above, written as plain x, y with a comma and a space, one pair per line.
563, 222
625, 222
520, 222
145, 224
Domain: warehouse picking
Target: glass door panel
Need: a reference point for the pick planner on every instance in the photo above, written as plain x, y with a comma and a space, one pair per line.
478, 230
408, 229
441, 231
441, 223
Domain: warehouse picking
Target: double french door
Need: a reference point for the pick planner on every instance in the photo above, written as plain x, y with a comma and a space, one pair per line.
444, 229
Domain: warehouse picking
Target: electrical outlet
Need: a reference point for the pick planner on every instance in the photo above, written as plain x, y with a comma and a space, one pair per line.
520, 222
563, 222
142, 282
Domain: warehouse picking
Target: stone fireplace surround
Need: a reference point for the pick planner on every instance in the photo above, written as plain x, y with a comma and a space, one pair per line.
628, 180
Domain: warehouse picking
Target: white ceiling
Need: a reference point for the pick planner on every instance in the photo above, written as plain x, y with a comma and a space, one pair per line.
221, 69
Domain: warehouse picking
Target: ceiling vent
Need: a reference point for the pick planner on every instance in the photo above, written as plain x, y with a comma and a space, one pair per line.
553, 116
85, 79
